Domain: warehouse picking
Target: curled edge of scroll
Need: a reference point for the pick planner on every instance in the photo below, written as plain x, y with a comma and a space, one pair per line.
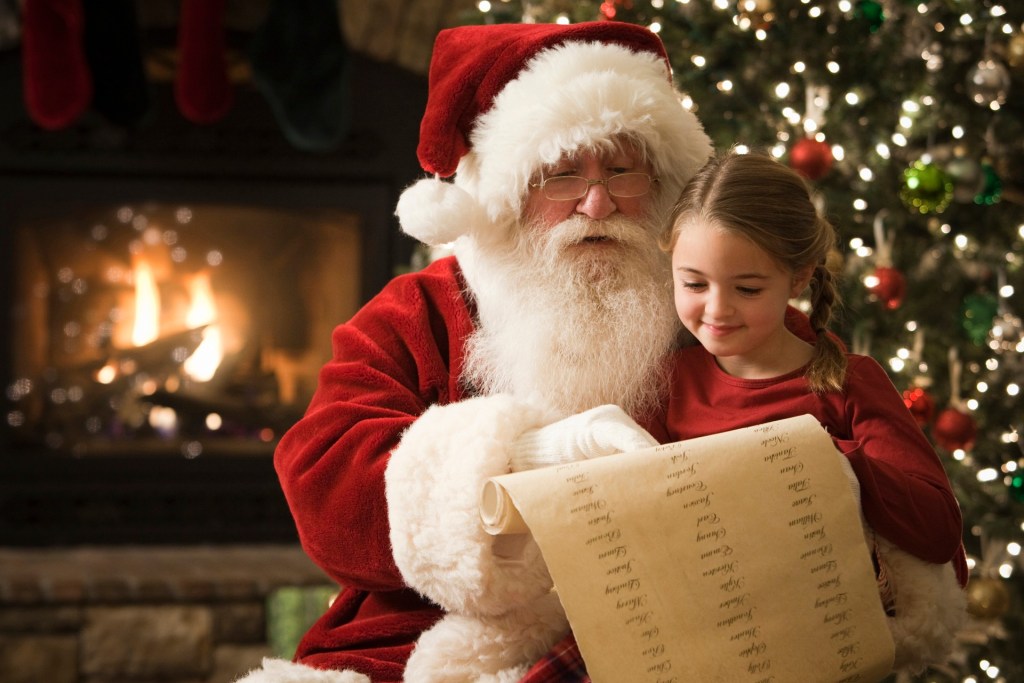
498, 511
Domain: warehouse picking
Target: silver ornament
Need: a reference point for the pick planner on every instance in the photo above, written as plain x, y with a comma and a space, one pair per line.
988, 82
1007, 333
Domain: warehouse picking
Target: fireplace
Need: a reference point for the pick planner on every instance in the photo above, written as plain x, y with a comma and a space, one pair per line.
161, 337
168, 295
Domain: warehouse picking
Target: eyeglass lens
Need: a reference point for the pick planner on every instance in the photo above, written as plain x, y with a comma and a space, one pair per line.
574, 187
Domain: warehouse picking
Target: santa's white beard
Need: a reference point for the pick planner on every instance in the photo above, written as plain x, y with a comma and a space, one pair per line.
574, 327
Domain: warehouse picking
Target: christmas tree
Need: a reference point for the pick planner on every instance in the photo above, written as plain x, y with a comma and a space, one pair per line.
908, 118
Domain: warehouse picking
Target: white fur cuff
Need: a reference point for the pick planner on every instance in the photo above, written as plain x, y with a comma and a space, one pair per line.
493, 649
283, 671
433, 483
930, 608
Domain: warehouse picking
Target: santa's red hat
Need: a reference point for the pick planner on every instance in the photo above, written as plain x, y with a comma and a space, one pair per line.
507, 99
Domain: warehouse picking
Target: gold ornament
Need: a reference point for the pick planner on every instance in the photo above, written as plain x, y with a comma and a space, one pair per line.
1015, 51
987, 597
757, 13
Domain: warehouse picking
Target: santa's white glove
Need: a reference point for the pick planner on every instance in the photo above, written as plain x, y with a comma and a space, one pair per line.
600, 431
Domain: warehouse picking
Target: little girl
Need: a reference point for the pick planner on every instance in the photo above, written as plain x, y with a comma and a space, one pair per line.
746, 238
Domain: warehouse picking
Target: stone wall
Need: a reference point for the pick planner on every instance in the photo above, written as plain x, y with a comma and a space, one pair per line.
141, 615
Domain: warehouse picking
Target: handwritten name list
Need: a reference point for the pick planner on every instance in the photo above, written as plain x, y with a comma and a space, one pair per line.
734, 557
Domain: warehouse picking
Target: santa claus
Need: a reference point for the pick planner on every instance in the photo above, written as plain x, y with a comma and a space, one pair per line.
568, 145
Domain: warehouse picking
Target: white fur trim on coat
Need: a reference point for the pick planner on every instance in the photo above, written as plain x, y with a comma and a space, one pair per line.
432, 485
283, 671
493, 649
930, 608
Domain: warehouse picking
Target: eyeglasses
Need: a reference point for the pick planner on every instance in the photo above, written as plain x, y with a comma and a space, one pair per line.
566, 187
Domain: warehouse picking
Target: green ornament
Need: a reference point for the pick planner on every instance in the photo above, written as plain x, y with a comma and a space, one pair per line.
991, 187
871, 13
926, 188
1017, 487
978, 312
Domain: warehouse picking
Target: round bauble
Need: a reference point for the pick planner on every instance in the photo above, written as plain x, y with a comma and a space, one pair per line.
926, 188
987, 597
1016, 487
988, 82
1007, 333
811, 158
954, 430
1015, 51
888, 286
978, 311
991, 187
920, 404
871, 13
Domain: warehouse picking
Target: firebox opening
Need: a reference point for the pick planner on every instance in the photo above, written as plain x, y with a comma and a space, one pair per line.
156, 328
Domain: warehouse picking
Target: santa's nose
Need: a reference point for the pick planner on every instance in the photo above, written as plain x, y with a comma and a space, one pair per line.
596, 203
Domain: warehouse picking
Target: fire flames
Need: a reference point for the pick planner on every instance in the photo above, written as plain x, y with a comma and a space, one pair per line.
204, 361
149, 324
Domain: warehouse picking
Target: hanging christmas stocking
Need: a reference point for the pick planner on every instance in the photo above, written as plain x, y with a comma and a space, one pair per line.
301, 64
55, 78
202, 88
120, 92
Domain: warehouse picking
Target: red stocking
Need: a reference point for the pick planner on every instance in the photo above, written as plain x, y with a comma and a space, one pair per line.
201, 86
56, 80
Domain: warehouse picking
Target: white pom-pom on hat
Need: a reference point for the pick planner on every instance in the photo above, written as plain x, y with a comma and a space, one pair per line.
437, 212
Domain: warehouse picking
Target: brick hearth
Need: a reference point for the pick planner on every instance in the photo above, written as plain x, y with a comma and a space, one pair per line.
140, 614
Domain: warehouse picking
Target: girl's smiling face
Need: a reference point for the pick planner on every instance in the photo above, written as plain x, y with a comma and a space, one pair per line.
732, 296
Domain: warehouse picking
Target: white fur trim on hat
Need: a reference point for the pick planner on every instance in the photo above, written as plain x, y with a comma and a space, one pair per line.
577, 96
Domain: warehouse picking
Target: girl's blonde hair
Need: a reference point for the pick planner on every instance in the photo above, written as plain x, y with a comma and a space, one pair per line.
770, 204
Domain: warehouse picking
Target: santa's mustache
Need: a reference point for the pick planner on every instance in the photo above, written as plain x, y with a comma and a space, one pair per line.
580, 229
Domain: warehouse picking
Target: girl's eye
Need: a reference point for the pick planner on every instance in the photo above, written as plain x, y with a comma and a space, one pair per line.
749, 291
693, 286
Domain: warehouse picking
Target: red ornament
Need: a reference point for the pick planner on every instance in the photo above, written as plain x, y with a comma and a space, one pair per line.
920, 404
608, 8
890, 287
811, 158
954, 430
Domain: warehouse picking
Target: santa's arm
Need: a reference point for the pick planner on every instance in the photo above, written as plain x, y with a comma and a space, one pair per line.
389, 363
369, 422
434, 481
